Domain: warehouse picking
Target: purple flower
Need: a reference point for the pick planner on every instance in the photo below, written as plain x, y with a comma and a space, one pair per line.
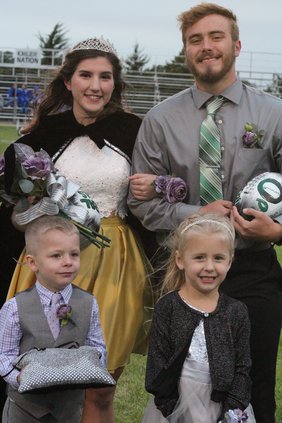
2, 165
161, 183
37, 166
176, 190
64, 312
235, 416
249, 138
252, 137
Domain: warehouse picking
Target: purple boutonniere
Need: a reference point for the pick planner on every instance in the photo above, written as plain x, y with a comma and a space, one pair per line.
64, 313
252, 136
174, 189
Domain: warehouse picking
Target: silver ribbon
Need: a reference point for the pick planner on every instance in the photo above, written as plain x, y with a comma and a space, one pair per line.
66, 197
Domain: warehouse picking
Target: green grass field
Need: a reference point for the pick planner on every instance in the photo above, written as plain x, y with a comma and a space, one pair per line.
7, 134
131, 397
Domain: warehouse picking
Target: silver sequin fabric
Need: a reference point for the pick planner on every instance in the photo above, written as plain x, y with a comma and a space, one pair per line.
198, 347
60, 366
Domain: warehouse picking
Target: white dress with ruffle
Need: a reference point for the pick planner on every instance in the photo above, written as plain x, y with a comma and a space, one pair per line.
194, 404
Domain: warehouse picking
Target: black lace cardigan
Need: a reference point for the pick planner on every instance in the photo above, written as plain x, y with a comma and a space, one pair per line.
227, 332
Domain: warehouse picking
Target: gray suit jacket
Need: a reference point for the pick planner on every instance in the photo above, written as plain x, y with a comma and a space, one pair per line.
37, 334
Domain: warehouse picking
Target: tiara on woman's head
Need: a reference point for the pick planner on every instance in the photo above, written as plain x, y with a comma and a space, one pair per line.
96, 44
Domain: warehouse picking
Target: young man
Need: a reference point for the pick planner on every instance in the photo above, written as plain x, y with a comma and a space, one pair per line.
53, 253
169, 143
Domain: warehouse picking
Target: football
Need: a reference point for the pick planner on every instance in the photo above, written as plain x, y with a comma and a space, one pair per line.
263, 193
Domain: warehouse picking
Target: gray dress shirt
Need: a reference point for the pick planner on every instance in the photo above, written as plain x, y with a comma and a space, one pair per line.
168, 144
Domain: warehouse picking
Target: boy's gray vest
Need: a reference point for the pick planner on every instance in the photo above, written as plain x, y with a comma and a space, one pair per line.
37, 334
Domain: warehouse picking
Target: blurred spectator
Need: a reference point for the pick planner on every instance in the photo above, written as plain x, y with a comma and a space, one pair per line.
13, 93
23, 99
35, 96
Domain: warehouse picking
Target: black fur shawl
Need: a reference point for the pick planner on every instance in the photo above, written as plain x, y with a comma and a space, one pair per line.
119, 128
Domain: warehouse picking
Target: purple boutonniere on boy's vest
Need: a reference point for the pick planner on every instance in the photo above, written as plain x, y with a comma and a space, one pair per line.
64, 313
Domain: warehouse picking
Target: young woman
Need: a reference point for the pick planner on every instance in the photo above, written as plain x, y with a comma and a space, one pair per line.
82, 124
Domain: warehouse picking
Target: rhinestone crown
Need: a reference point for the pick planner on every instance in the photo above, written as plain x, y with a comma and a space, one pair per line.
96, 44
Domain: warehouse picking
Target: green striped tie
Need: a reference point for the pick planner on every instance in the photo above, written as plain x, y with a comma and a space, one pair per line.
210, 155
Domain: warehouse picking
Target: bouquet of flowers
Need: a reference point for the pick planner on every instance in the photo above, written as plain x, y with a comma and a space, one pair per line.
174, 189
39, 189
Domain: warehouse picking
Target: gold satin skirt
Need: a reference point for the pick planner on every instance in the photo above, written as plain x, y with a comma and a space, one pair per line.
118, 277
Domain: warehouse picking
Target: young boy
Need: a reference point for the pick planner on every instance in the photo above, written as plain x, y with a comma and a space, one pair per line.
53, 253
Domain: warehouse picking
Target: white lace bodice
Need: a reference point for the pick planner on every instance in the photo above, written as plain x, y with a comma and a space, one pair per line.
101, 173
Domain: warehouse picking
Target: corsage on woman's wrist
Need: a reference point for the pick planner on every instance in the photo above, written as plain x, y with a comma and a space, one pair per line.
173, 189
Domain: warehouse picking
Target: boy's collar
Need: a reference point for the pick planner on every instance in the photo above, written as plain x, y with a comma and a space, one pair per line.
66, 292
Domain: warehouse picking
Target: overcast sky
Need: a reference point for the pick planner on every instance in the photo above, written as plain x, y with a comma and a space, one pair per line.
151, 23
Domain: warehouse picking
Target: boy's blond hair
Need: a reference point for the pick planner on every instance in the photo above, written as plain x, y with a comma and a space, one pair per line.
43, 224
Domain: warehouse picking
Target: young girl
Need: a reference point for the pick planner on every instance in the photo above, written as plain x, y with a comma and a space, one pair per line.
199, 359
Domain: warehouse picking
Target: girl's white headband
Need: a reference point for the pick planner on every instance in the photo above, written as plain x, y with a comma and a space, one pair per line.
198, 222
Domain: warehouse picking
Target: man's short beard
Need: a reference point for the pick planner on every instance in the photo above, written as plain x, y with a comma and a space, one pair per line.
210, 76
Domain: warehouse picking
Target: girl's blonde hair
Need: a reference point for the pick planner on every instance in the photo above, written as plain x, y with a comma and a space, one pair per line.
196, 224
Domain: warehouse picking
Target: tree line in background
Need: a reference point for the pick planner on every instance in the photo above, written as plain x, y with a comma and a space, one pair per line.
136, 62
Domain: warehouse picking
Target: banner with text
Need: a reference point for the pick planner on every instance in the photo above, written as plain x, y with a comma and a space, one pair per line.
27, 58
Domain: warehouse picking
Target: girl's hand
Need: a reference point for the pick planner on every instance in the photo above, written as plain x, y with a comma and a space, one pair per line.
142, 186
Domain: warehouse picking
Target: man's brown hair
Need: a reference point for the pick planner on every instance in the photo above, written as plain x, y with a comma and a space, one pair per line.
193, 15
